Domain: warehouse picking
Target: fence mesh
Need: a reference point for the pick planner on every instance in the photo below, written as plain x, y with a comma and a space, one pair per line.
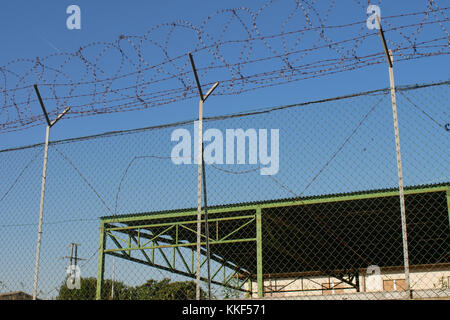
302, 202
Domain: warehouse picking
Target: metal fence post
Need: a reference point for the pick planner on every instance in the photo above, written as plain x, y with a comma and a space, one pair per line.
400, 176
390, 61
44, 177
41, 214
199, 181
101, 262
259, 262
199, 197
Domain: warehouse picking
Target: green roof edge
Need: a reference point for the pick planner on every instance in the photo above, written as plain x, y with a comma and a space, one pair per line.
281, 200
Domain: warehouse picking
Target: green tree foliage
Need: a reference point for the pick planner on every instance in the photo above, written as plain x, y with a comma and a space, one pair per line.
88, 289
151, 290
166, 290
230, 293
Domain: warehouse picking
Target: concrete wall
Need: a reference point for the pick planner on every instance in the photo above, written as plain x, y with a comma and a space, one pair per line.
386, 281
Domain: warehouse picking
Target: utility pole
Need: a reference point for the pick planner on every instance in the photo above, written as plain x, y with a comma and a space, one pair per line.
73, 258
390, 61
201, 170
44, 175
71, 255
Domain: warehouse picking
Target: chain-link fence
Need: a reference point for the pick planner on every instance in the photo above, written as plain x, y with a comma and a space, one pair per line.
302, 201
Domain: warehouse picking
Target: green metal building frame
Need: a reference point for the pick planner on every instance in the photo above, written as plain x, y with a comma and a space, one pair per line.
138, 237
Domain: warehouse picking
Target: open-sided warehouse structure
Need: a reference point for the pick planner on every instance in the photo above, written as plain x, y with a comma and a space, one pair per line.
296, 247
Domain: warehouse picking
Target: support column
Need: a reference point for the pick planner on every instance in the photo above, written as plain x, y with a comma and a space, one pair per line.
259, 262
101, 262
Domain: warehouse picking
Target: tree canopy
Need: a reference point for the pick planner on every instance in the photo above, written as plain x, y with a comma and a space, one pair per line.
150, 290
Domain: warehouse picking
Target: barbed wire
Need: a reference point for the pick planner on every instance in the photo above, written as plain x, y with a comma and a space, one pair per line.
125, 75
256, 111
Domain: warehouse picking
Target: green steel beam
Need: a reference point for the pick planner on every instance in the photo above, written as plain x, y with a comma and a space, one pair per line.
190, 275
117, 238
154, 237
236, 230
163, 255
217, 271
244, 282
178, 223
180, 245
184, 261
132, 229
274, 204
142, 251
101, 262
259, 262
151, 264
230, 277
114, 239
168, 241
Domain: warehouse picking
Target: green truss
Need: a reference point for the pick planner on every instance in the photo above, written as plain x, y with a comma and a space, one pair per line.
137, 239
140, 242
